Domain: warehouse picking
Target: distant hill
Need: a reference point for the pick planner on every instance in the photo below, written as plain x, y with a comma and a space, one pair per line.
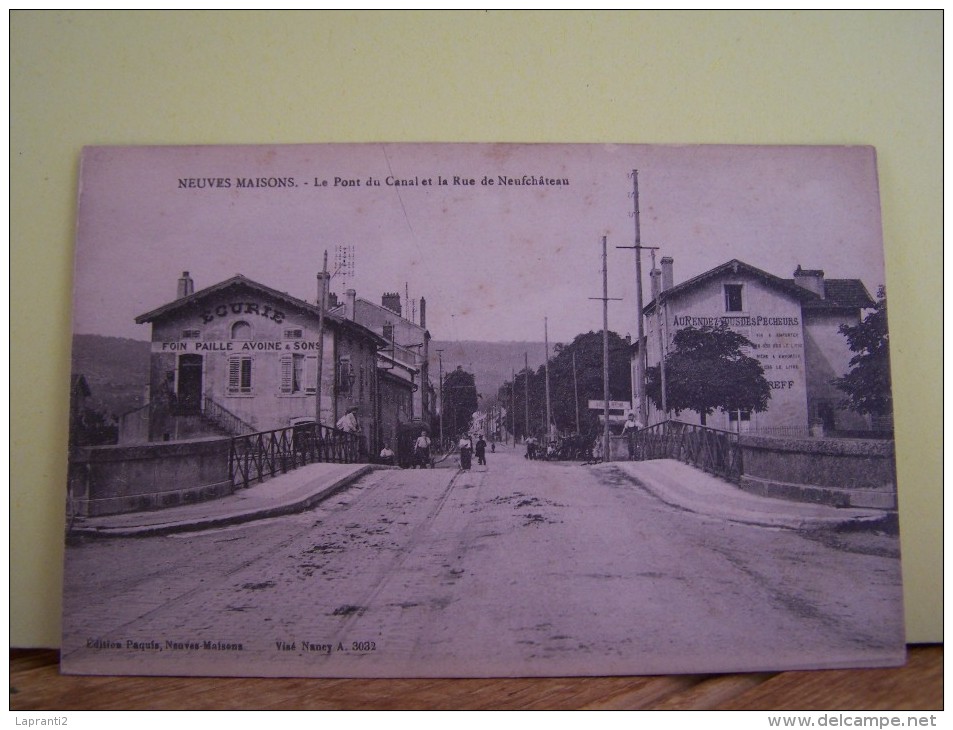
116, 369
491, 363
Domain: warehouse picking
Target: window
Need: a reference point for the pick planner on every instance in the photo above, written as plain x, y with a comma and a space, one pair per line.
345, 375
241, 331
191, 334
294, 334
739, 421
733, 301
239, 375
298, 374
310, 373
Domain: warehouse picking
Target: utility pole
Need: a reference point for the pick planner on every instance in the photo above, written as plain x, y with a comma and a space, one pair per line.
661, 347
575, 390
440, 356
549, 413
605, 349
643, 415
513, 406
322, 298
526, 387
642, 363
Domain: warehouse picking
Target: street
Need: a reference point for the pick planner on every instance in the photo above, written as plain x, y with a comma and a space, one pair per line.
517, 568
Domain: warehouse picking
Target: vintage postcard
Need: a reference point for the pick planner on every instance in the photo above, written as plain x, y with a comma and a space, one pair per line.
438, 410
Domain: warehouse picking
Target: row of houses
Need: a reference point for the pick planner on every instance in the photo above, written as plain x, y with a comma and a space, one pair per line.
240, 357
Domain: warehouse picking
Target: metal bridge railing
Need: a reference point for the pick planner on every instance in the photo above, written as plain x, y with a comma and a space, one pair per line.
710, 449
257, 456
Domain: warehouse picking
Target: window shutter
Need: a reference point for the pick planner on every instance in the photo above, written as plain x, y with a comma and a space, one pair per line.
246, 375
310, 374
287, 372
234, 374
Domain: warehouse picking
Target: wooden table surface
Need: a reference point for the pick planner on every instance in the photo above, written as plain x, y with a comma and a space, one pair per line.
36, 684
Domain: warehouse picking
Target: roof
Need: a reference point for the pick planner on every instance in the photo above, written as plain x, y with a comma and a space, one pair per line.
360, 301
840, 294
243, 283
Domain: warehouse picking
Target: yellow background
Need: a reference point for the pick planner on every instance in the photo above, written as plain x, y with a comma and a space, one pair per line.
767, 77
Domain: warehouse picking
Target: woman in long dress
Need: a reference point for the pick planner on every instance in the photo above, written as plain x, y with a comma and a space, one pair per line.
466, 451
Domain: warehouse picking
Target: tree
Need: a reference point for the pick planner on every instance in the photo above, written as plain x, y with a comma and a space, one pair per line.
459, 400
707, 370
867, 384
587, 349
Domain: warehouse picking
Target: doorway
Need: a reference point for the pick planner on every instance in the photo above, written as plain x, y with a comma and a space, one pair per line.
189, 391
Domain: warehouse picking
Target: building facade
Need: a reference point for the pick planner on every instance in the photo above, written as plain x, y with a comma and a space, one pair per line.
793, 326
241, 357
403, 363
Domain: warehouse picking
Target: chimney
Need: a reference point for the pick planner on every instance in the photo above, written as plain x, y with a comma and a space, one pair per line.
810, 279
186, 285
668, 275
423, 313
655, 276
333, 302
391, 301
350, 299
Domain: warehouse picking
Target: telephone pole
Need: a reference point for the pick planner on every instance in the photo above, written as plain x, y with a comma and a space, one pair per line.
322, 298
605, 349
549, 414
575, 390
513, 406
440, 357
526, 389
642, 363
661, 346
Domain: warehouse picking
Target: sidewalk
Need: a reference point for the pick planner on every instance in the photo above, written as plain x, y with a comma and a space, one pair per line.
295, 491
691, 489
673, 482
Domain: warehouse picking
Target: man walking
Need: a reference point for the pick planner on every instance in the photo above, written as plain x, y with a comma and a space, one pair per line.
480, 450
422, 450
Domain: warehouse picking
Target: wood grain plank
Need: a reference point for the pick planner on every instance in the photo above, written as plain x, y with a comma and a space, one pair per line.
916, 686
36, 684
714, 691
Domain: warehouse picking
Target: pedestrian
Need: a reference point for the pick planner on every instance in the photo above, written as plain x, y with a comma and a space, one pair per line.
466, 451
387, 454
493, 447
422, 451
348, 422
632, 424
631, 429
480, 450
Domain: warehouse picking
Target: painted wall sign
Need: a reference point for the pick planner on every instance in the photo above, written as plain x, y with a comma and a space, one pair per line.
202, 346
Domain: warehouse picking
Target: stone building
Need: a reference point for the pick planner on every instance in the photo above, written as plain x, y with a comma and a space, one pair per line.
793, 325
240, 357
406, 393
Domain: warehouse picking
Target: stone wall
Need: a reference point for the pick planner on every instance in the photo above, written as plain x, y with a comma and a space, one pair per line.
131, 478
840, 472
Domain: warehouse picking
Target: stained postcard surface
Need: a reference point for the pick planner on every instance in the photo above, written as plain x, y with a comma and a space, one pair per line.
408, 410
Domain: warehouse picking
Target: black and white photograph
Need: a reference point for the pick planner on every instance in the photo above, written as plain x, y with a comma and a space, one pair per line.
480, 410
